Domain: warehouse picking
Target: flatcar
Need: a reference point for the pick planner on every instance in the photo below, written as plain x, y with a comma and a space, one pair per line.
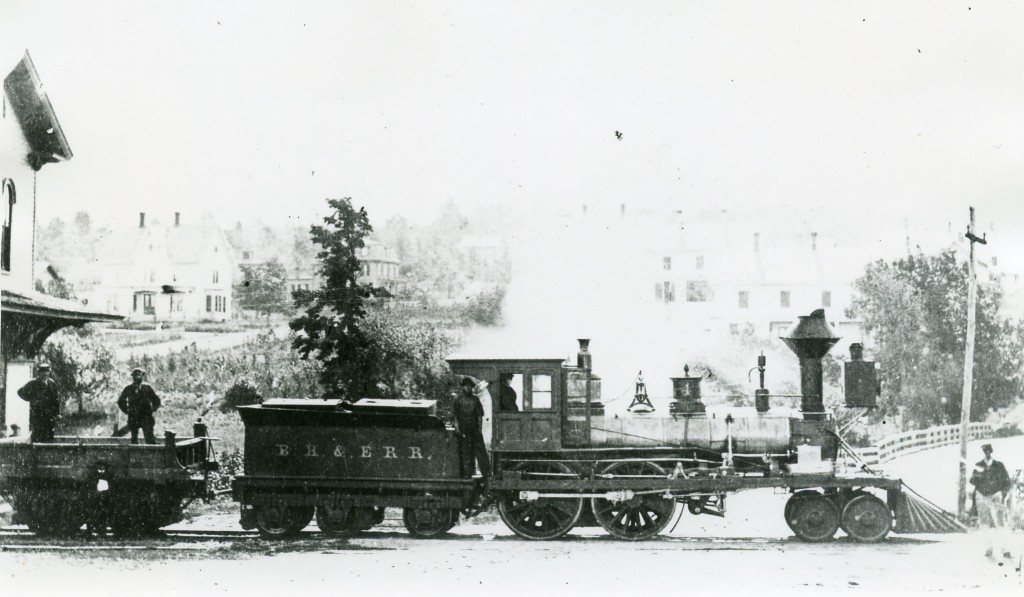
56, 487
560, 462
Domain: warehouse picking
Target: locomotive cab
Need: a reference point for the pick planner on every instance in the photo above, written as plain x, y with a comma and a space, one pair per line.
524, 400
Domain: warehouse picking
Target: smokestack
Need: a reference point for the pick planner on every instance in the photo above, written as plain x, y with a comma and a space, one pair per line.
622, 210
142, 219
177, 219
757, 242
814, 241
584, 209
811, 338
583, 359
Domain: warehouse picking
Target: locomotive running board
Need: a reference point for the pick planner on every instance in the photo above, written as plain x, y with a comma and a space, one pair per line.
914, 514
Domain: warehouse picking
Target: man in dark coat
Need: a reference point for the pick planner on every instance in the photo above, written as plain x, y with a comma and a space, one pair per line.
41, 394
991, 492
507, 397
139, 401
469, 418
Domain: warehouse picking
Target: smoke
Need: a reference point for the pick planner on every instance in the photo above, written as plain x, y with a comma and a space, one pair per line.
593, 276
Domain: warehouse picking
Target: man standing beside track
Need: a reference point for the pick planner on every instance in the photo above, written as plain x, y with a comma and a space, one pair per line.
469, 417
992, 489
139, 401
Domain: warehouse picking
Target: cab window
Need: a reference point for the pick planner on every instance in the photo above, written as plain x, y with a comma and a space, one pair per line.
540, 397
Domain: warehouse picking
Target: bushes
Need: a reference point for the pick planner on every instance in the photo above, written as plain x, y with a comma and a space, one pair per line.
243, 393
266, 362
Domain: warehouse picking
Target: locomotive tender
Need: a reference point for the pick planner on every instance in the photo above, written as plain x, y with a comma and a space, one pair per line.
560, 462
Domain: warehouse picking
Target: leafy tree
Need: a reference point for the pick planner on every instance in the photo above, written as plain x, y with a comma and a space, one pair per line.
916, 310
331, 328
406, 354
82, 364
262, 288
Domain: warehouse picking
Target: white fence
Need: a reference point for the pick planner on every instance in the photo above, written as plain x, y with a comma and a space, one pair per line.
909, 442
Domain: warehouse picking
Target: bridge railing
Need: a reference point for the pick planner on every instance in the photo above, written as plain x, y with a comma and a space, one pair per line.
916, 440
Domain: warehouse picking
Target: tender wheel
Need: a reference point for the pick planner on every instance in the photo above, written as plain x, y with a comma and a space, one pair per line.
642, 516
867, 519
335, 521
545, 518
813, 517
427, 522
282, 521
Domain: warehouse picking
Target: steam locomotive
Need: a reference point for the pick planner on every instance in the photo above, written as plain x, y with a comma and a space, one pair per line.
560, 462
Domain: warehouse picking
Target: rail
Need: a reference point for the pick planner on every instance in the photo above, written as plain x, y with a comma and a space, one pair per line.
916, 440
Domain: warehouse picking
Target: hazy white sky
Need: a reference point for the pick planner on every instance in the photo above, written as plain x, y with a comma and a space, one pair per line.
867, 112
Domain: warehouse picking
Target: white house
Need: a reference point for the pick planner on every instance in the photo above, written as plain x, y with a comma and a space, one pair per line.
167, 273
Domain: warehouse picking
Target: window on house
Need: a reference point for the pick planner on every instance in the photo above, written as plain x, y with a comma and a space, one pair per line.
700, 262
216, 277
826, 298
147, 304
666, 263
697, 291
176, 303
152, 275
540, 392
669, 291
744, 299
209, 303
784, 299
9, 199
734, 329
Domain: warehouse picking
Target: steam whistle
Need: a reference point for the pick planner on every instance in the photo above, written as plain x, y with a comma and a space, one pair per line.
761, 394
641, 402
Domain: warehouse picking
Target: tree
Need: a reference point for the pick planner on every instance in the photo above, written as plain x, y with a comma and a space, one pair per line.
262, 288
83, 365
331, 328
915, 308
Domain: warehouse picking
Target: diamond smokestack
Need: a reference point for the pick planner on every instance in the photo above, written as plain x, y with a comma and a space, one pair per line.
811, 337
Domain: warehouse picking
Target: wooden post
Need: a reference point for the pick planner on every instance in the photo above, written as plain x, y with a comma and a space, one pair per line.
965, 407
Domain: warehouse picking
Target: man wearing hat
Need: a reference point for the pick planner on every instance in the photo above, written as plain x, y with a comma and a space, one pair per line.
469, 417
991, 491
41, 394
139, 401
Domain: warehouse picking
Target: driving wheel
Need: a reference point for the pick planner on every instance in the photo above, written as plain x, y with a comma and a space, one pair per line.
543, 518
641, 516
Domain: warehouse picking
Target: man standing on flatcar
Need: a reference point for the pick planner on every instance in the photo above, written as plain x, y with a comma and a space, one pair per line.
41, 394
139, 401
469, 418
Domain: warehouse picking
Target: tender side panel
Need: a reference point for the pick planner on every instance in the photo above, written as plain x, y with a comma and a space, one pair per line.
332, 446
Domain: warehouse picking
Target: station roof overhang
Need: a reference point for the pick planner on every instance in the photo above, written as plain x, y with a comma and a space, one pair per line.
28, 319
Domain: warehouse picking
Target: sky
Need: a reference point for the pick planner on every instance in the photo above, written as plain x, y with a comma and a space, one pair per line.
869, 114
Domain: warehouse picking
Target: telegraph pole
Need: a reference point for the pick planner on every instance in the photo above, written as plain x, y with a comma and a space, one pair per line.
965, 408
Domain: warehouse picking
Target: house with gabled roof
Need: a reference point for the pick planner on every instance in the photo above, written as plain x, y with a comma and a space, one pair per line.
30, 138
175, 272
